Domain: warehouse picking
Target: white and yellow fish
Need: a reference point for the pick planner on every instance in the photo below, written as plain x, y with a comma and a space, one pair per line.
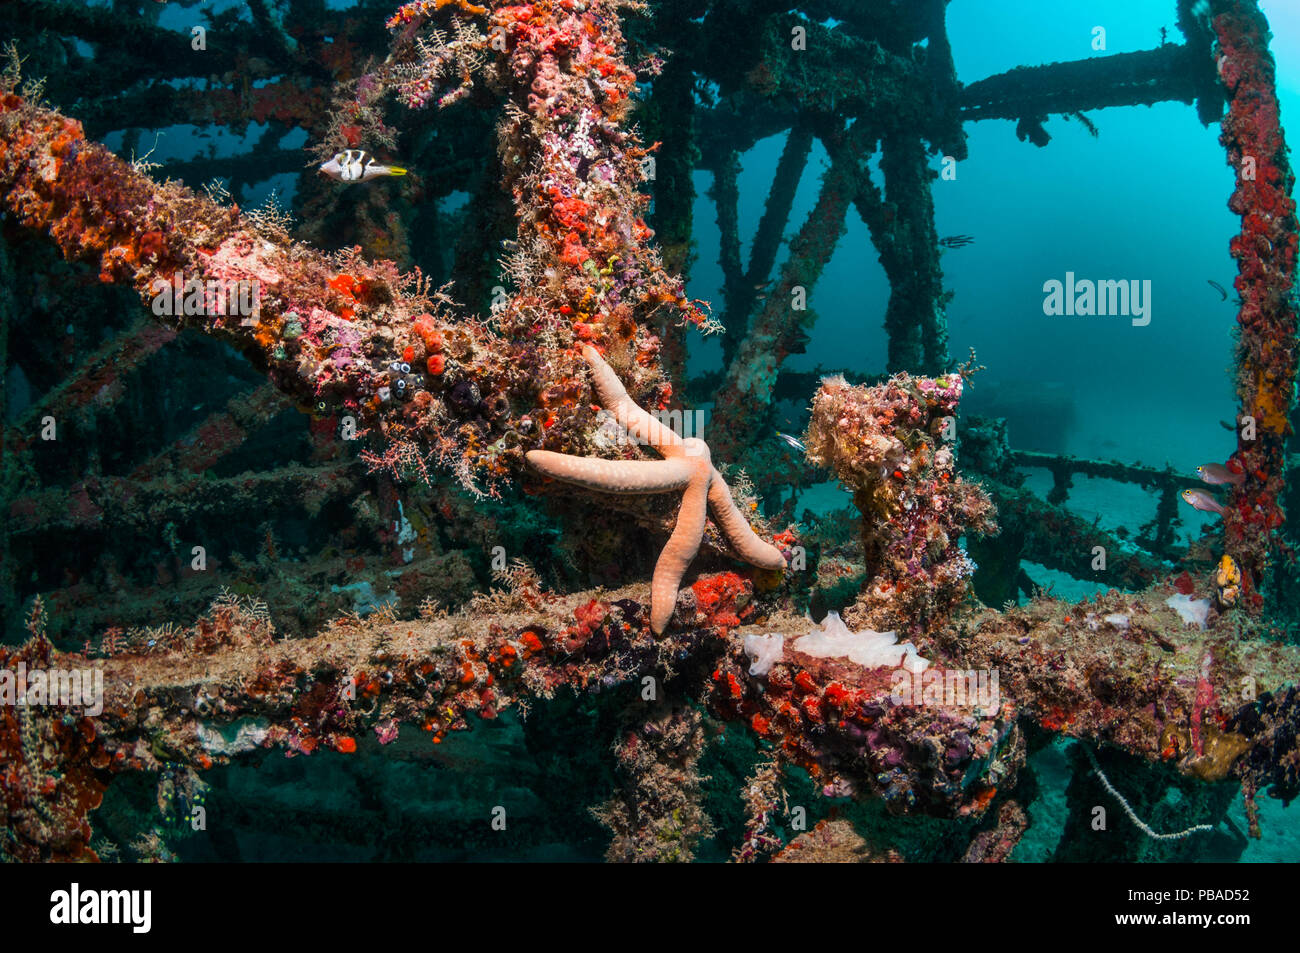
794, 443
357, 165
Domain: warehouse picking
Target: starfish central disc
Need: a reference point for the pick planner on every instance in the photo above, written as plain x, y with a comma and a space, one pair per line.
687, 466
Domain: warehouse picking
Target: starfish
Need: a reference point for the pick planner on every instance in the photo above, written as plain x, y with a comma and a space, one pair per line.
686, 465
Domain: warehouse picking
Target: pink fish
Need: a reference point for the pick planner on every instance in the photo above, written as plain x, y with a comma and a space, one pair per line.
1216, 474
1201, 500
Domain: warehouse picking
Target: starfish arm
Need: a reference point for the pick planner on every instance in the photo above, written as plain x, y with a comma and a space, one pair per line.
747, 544
687, 464
613, 476
613, 397
681, 547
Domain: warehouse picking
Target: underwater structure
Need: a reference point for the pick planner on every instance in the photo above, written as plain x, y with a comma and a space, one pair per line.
433, 479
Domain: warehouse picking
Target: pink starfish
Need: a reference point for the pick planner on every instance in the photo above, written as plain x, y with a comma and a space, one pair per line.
687, 465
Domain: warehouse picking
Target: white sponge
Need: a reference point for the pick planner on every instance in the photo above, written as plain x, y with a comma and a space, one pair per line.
867, 648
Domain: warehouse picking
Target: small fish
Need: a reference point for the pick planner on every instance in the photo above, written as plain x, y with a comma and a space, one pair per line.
794, 443
956, 241
1202, 501
357, 165
1219, 288
1216, 474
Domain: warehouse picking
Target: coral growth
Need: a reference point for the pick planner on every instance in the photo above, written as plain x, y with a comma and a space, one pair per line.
357, 339
54, 770
891, 445
833, 842
1266, 263
658, 815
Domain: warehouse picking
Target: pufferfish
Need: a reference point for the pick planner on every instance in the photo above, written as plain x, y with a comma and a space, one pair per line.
357, 165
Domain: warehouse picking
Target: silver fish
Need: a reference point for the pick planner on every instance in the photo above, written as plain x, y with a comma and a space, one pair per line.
1218, 474
793, 442
1201, 500
357, 165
